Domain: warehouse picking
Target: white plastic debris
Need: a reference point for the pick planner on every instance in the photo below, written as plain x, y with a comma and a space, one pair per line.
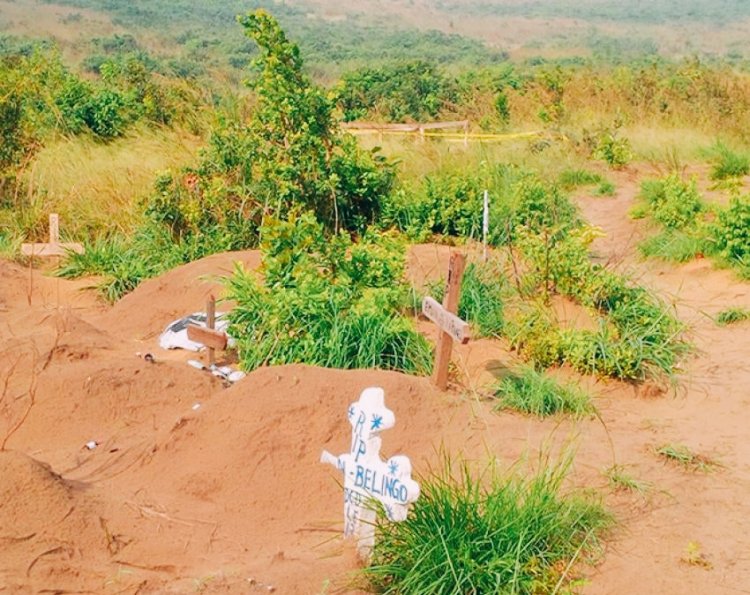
196, 406
175, 335
92, 444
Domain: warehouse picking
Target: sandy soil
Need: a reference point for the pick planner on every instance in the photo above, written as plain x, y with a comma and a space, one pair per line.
194, 487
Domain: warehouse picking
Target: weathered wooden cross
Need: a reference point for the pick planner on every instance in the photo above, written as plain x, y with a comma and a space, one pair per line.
54, 247
209, 336
451, 326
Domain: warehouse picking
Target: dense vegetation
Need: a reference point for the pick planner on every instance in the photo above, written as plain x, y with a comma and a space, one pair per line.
332, 215
498, 534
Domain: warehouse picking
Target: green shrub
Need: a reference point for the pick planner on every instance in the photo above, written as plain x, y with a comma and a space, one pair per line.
495, 535
532, 392
673, 203
325, 301
607, 144
732, 316
401, 91
731, 233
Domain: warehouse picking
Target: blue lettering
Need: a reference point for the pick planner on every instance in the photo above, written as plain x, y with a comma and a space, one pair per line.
359, 478
361, 449
375, 484
368, 479
402, 494
360, 423
390, 483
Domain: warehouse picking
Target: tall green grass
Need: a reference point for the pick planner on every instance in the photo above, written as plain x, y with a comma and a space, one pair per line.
534, 393
727, 163
497, 534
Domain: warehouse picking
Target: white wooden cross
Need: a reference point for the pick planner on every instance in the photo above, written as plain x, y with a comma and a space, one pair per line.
366, 476
451, 326
54, 247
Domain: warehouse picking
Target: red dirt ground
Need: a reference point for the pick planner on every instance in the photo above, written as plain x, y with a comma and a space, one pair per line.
230, 497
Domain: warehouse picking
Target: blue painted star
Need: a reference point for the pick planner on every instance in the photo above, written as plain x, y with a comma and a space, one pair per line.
377, 422
393, 468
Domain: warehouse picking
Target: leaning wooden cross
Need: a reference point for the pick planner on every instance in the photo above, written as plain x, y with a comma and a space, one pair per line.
208, 335
451, 326
366, 476
54, 247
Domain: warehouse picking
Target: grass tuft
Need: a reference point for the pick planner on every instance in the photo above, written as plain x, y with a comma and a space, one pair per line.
681, 454
672, 246
728, 163
506, 534
574, 178
621, 481
732, 316
534, 393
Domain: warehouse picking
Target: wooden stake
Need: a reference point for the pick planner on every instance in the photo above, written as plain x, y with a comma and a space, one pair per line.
450, 304
211, 325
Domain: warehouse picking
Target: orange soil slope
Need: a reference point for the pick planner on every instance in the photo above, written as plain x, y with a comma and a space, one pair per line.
229, 496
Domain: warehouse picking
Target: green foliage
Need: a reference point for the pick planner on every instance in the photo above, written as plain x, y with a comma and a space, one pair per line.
607, 144
494, 535
605, 188
534, 393
732, 316
325, 301
397, 92
637, 336
123, 263
294, 151
672, 202
673, 245
728, 163
483, 290
573, 178
731, 233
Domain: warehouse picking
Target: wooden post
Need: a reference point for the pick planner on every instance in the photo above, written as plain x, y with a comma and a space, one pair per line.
485, 222
54, 228
450, 304
211, 325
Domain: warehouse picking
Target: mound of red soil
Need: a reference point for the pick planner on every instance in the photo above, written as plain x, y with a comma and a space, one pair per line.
145, 312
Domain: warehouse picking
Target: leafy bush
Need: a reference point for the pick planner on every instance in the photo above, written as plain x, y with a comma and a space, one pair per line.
495, 535
731, 233
607, 144
673, 203
325, 301
402, 91
532, 392
291, 154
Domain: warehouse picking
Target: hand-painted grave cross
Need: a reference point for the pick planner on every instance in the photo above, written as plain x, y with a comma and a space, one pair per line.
451, 326
367, 476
